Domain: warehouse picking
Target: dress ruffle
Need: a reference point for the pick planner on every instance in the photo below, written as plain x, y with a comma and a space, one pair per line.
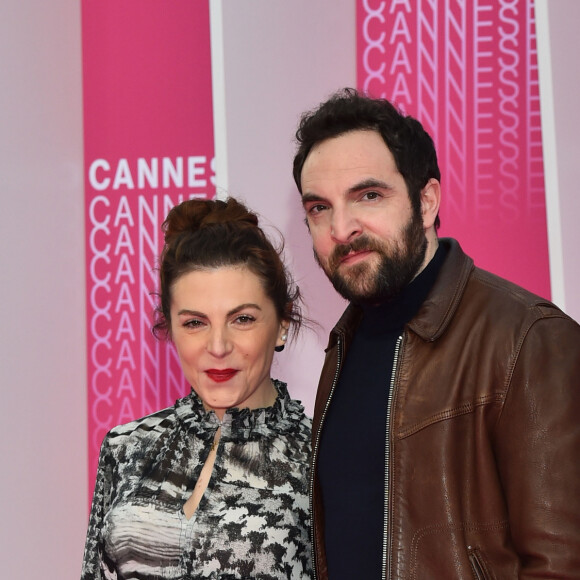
240, 424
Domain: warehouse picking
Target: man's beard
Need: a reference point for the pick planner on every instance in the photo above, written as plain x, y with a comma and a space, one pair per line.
400, 262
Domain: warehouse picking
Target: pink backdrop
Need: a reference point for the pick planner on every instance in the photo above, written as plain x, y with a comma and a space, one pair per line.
148, 126
468, 71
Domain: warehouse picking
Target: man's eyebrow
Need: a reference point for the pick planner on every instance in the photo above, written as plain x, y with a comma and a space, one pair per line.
368, 184
310, 197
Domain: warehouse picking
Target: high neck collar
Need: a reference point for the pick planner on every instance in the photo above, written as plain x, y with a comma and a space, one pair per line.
395, 313
240, 423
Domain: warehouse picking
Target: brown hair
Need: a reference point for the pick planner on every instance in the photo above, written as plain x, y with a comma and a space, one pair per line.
348, 110
208, 234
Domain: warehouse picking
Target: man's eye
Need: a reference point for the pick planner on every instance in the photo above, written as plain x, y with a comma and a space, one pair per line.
371, 195
317, 208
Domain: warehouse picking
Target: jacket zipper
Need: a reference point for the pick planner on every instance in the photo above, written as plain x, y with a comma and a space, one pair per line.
387, 540
315, 453
476, 565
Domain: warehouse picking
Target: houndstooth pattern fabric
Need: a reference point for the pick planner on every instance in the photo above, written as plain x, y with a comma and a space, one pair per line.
252, 522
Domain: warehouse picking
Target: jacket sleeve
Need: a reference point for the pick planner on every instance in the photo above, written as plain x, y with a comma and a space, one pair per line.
93, 555
538, 449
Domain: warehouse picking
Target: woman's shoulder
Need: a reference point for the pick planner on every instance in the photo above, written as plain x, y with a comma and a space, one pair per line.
141, 431
292, 422
145, 423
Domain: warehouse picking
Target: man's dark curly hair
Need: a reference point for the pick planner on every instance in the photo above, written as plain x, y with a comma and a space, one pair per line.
348, 110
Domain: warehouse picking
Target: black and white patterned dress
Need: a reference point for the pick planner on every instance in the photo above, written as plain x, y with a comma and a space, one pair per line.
252, 521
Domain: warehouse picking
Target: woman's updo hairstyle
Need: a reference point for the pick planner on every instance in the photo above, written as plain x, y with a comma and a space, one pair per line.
209, 234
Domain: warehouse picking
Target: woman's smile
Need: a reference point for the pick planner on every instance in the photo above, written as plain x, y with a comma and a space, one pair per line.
221, 375
225, 329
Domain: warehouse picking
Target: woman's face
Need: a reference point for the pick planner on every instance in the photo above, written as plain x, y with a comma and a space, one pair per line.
225, 328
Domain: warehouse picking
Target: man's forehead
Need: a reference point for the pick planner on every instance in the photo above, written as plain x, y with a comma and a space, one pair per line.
348, 160
349, 150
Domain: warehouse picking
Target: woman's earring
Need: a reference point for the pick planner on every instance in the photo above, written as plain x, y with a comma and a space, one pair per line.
280, 348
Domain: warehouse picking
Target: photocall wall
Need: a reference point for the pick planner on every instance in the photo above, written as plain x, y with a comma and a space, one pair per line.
148, 145
469, 72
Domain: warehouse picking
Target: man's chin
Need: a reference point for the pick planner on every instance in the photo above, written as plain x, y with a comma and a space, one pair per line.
353, 287
354, 282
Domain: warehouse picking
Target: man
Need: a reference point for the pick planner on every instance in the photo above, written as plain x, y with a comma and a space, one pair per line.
447, 420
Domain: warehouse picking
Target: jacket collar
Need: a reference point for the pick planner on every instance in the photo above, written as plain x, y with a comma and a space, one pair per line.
438, 308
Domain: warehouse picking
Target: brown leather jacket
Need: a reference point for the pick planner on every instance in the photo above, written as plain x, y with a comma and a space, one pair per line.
483, 441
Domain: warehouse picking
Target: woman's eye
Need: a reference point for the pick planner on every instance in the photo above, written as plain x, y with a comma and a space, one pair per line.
193, 323
245, 319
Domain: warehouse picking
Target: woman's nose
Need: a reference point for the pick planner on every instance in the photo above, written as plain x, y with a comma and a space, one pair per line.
219, 343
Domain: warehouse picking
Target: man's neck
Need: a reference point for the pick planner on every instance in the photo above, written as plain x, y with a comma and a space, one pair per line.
432, 245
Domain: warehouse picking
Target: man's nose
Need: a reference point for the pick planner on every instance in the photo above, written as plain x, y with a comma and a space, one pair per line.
344, 226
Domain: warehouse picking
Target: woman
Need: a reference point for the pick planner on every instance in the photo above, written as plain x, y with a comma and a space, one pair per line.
215, 486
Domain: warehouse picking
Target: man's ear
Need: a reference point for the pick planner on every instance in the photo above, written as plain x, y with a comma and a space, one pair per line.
430, 202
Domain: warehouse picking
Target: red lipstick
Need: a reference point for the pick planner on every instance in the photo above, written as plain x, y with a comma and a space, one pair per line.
220, 375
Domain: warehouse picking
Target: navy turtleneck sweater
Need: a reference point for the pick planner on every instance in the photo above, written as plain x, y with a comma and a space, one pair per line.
351, 463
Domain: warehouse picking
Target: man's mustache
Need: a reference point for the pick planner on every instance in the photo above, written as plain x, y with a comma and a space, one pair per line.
362, 243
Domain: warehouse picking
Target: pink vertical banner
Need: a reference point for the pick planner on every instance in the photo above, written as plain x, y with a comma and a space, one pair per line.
148, 145
468, 71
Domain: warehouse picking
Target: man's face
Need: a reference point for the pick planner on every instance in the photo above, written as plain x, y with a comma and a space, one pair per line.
366, 237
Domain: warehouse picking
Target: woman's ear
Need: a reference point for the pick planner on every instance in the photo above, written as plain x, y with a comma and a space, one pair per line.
282, 336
